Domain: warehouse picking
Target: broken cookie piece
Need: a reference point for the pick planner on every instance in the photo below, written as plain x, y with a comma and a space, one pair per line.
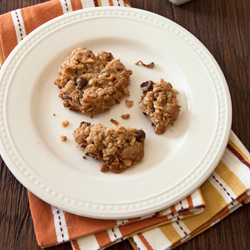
92, 83
118, 147
160, 104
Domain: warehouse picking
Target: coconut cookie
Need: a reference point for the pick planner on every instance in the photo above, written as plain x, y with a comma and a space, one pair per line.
159, 103
118, 147
92, 84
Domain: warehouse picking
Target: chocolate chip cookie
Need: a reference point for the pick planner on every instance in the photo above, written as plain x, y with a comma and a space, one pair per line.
118, 147
92, 84
160, 104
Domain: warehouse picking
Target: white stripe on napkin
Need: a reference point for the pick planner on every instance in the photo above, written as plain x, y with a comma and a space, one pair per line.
19, 25
181, 228
237, 167
162, 241
87, 242
87, 3
66, 6
222, 187
60, 225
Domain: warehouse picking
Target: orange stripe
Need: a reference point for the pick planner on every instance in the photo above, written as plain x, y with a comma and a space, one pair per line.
75, 244
133, 220
209, 222
190, 201
126, 2
242, 197
7, 34
238, 153
144, 241
76, 5
1, 55
36, 15
102, 238
111, 3
185, 211
43, 221
173, 209
79, 226
133, 227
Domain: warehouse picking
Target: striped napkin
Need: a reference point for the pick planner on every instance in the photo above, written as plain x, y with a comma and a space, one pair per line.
226, 190
54, 226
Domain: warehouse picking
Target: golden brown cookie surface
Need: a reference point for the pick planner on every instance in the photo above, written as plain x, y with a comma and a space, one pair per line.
118, 147
160, 104
92, 84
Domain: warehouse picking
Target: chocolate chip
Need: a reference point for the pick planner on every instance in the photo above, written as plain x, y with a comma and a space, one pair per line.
87, 123
140, 135
147, 86
110, 159
81, 82
109, 56
72, 108
83, 145
144, 113
119, 151
80, 97
67, 96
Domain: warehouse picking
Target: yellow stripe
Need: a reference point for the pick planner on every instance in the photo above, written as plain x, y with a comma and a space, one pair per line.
99, 2
239, 151
202, 230
160, 214
161, 225
230, 178
170, 233
201, 196
246, 201
214, 204
1, 55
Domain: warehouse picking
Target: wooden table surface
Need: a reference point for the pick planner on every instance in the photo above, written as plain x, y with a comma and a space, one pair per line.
223, 26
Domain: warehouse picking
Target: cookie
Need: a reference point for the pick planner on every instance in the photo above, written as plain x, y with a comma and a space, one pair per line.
118, 147
160, 104
92, 84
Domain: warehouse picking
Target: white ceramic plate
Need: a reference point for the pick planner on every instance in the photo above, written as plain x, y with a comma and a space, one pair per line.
175, 163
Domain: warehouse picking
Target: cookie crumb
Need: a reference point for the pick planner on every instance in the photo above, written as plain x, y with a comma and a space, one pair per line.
84, 157
129, 103
54, 114
63, 138
65, 123
150, 65
125, 116
114, 121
